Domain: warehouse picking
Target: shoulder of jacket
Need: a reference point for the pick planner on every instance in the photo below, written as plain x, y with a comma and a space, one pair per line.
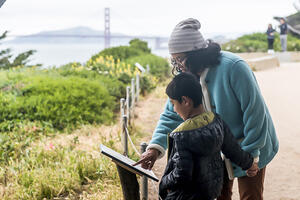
226, 55
229, 60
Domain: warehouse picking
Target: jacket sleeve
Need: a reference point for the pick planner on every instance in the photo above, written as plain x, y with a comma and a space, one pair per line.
253, 107
232, 150
181, 175
168, 121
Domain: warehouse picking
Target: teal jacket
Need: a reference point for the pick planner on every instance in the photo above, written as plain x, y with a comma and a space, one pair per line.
236, 97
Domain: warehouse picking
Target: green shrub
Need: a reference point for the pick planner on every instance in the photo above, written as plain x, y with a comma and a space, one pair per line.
114, 86
61, 101
159, 67
140, 45
293, 43
125, 70
136, 47
121, 52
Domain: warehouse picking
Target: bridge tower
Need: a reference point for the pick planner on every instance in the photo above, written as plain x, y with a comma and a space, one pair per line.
106, 28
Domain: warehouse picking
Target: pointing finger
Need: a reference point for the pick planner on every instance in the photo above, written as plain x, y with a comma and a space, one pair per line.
140, 161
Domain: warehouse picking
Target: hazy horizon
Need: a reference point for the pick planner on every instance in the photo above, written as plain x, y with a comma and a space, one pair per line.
89, 31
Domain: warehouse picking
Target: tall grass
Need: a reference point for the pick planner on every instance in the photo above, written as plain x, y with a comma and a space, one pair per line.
49, 171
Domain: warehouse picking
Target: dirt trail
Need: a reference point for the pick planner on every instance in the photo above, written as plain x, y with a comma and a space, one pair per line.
280, 88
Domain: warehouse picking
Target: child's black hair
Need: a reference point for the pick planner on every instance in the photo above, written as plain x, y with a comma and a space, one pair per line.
185, 84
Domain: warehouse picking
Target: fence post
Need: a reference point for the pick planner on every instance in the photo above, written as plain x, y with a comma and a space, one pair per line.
144, 182
124, 136
137, 87
122, 109
128, 104
132, 97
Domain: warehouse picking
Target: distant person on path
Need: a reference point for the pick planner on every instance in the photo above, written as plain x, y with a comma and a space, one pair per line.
195, 169
229, 89
283, 34
271, 35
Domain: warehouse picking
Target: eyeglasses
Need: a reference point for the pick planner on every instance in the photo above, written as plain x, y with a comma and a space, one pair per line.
178, 63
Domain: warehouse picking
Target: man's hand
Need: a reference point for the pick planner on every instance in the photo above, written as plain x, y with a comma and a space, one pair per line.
252, 171
148, 159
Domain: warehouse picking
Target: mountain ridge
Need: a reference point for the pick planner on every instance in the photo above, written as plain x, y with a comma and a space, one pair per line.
78, 34
84, 34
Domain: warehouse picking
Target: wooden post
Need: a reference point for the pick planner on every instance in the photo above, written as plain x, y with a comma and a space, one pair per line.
124, 136
122, 110
144, 181
137, 87
129, 183
132, 97
128, 103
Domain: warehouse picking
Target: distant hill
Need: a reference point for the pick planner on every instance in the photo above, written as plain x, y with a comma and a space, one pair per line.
86, 35
79, 34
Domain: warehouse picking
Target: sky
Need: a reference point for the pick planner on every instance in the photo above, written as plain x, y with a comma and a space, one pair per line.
142, 17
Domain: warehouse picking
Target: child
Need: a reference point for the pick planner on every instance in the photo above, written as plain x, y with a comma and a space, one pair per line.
195, 169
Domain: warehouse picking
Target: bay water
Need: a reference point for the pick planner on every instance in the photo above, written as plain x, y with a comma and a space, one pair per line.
49, 54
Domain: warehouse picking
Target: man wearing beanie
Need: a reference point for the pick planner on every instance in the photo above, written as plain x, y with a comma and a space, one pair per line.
229, 89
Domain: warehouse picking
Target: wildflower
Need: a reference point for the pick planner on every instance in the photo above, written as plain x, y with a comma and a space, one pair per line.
51, 146
34, 128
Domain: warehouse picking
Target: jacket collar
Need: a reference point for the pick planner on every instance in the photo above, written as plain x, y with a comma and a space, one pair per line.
195, 122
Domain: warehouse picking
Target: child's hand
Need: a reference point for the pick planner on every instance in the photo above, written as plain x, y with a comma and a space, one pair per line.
252, 171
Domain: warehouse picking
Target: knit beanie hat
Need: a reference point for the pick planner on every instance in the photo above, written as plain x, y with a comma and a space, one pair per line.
186, 37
